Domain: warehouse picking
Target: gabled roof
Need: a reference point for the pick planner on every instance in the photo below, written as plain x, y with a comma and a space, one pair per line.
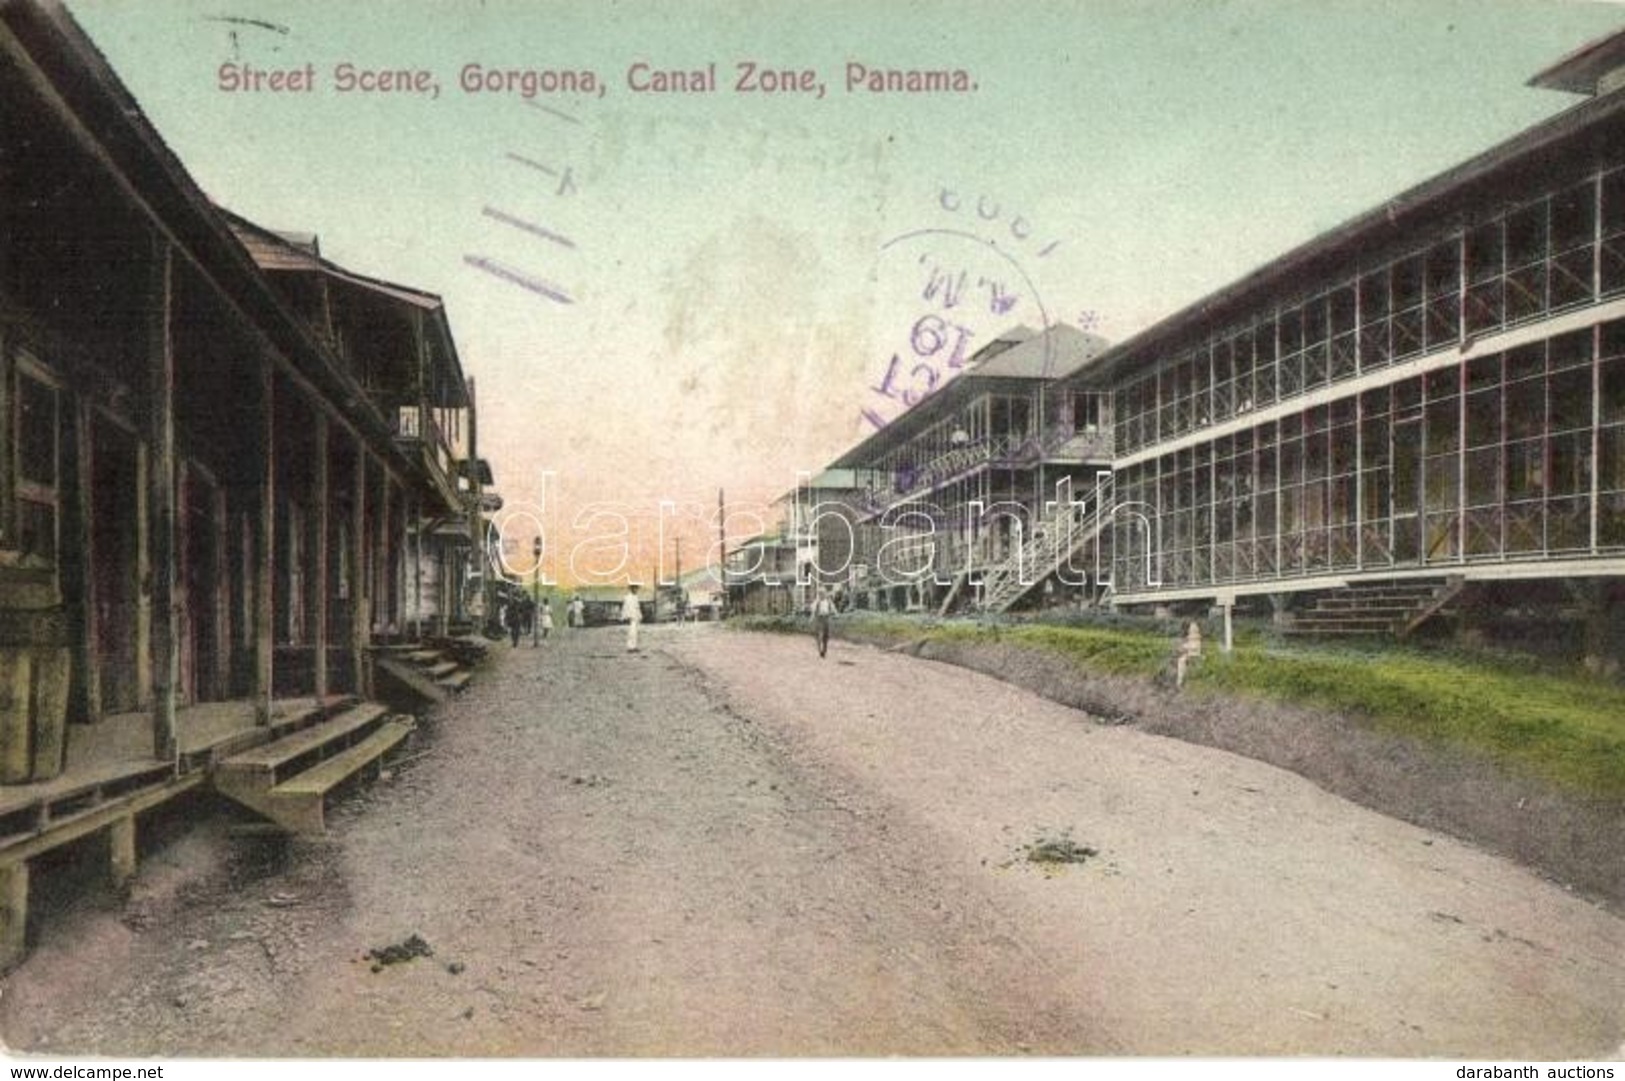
1017, 359
280, 250
1058, 351
1594, 67
86, 96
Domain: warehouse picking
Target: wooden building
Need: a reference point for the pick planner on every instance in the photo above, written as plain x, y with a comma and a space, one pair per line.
759, 574
397, 343
1418, 413
1420, 410
959, 486
822, 515
205, 492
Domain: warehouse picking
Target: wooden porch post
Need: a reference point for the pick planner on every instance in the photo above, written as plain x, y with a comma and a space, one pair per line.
143, 577
361, 583
121, 844
385, 596
415, 516
13, 913
90, 638
318, 605
220, 685
265, 553
162, 507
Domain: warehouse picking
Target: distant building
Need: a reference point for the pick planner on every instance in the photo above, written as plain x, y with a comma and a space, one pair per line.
760, 574
824, 517
951, 490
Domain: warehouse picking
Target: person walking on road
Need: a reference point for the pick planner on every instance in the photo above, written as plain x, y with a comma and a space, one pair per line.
547, 616
513, 614
631, 615
823, 608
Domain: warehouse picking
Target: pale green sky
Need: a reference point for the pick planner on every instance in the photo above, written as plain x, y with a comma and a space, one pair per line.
734, 295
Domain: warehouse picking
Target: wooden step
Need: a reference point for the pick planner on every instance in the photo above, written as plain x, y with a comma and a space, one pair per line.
1336, 632
441, 670
412, 678
1334, 608
423, 657
270, 757
297, 803
454, 683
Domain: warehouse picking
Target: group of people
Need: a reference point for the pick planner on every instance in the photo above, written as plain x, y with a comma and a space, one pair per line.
520, 614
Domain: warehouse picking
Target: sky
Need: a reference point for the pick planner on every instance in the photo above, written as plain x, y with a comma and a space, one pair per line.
664, 294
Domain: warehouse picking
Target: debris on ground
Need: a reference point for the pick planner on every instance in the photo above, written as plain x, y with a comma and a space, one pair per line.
591, 780
1062, 849
413, 946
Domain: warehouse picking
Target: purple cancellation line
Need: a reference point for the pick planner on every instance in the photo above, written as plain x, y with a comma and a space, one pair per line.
240, 21
524, 281
533, 230
538, 166
534, 104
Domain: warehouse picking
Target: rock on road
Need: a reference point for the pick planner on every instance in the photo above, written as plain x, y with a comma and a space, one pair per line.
724, 845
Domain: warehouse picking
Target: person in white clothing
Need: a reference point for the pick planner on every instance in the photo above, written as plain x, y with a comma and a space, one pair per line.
631, 615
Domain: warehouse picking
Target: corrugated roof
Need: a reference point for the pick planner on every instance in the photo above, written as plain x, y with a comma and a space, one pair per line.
276, 249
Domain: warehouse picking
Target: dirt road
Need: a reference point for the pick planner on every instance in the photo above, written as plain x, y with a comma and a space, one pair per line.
727, 846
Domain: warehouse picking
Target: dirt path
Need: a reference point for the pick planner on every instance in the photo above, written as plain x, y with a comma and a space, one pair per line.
727, 846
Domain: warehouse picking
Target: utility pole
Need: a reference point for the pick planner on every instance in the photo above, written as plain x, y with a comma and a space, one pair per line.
722, 549
535, 592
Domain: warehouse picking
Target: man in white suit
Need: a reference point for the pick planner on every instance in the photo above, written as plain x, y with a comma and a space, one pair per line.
631, 615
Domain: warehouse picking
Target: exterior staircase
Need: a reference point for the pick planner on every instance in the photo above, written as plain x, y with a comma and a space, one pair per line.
1062, 532
288, 779
431, 673
1369, 609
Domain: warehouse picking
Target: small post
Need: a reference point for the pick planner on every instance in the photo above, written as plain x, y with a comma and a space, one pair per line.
13, 914
319, 531
121, 840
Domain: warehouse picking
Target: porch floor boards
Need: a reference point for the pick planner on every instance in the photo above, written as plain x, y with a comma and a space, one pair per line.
118, 748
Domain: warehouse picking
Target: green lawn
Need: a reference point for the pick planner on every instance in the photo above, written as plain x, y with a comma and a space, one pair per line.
1567, 728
